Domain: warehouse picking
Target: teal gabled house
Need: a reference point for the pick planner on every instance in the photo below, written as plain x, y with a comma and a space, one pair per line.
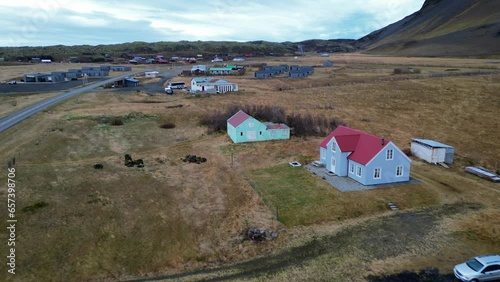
242, 127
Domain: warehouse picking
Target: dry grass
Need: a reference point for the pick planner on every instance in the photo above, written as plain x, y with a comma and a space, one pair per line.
111, 223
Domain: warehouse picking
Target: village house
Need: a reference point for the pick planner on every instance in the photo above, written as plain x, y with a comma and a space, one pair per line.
366, 158
242, 127
222, 71
198, 69
212, 85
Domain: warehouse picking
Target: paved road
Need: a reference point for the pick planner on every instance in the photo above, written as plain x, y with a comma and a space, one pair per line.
16, 117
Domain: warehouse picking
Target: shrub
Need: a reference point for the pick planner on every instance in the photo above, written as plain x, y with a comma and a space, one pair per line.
301, 124
116, 121
167, 125
34, 207
407, 151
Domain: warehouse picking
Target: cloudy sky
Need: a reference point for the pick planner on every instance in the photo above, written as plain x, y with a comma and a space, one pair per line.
75, 22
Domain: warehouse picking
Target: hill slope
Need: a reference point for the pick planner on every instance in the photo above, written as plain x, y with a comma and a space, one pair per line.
441, 28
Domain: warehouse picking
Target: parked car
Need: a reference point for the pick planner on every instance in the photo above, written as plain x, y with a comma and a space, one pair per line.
12, 82
169, 91
478, 269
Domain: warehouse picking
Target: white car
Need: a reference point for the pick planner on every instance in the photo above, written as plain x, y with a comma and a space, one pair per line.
478, 269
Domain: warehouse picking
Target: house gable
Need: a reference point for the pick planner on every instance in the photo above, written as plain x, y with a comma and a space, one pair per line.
238, 118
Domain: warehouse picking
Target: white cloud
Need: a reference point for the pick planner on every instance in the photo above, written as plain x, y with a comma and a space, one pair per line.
292, 20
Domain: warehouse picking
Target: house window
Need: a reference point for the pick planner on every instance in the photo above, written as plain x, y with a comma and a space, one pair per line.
389, 155
241, 133
351, 168
358, 171
376, 173
399, 171
334, 145
260, 132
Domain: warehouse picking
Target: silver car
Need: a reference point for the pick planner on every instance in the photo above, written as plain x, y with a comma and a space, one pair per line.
482, 268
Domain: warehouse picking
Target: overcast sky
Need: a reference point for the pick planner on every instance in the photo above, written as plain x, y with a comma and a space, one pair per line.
75, 22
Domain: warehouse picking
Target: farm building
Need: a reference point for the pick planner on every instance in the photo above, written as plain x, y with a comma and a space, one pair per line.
212, 85
94, 71
432, 151
220, 70
120, 68
43, 77
243, 128
151, 74
263, 74
130, 82
366, 158
105, 68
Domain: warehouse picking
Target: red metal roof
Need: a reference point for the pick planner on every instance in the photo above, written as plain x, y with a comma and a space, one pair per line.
363, 146
238, 118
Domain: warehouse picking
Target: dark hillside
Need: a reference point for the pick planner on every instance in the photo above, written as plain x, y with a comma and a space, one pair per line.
441, 28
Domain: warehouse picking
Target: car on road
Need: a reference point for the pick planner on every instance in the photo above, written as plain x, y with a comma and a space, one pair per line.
169, 91
12, 82
478, 269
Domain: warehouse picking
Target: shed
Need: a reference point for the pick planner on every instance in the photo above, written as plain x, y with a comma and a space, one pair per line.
432, 151
130, 82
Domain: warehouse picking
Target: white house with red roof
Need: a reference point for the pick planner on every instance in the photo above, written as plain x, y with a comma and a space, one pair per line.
366, 158
242, 127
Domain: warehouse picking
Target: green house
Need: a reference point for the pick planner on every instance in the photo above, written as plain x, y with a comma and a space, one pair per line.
241, 128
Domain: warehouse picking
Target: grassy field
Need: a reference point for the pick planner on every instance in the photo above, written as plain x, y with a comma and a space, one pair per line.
171, 216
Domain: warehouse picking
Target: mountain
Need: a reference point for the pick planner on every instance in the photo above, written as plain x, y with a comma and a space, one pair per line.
441, 28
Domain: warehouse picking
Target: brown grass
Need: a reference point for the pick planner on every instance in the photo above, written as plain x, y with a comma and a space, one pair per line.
111, 223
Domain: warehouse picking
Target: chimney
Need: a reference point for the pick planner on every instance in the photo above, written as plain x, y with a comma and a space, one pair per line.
383, 140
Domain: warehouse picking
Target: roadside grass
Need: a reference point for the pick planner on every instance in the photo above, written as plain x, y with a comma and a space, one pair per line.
298, 197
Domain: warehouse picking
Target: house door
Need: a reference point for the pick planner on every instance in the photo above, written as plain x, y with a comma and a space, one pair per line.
333, 165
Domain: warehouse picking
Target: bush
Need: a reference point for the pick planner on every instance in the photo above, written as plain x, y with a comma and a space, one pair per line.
116, 121
35, 206
407, 151
301, 124
167, 125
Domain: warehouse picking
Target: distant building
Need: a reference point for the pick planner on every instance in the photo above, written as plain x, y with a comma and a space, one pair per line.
120, 68
2, 59
130, 82
221, 70
325, 55
151, 74
212, 85
199, 69
43, 77
263, 74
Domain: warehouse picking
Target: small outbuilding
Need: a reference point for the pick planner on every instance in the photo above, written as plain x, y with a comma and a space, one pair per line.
432, 151
130, 82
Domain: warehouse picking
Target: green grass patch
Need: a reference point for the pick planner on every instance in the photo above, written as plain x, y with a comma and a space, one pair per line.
299, 197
